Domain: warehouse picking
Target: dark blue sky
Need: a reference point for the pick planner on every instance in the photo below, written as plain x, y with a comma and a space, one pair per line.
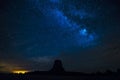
84, 34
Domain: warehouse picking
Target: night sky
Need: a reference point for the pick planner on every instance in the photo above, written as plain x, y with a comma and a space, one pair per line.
84, 34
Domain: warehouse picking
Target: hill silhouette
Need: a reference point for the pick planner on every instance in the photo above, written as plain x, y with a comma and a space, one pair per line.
57, 72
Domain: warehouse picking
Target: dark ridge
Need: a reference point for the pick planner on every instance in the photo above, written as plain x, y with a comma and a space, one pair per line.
58, 73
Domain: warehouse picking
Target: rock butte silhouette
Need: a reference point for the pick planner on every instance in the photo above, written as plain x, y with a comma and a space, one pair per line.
58, 73
57, 67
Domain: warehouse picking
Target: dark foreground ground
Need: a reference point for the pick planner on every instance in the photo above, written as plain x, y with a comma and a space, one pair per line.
58, 77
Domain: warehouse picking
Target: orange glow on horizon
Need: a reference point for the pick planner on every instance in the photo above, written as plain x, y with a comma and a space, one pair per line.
20, 71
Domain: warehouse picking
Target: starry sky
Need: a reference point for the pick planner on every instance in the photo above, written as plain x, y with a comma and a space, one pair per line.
84, 34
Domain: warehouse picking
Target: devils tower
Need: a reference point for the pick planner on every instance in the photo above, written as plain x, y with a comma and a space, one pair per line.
57, 67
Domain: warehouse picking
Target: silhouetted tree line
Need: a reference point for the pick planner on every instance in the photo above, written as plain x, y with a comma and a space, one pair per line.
108, 72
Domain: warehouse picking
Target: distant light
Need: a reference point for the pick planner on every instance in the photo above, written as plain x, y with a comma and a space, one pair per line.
20, 71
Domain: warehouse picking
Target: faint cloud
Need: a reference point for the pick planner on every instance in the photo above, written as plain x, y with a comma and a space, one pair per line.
44, 59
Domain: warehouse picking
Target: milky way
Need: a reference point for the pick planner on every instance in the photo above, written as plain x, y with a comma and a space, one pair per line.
63, 31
